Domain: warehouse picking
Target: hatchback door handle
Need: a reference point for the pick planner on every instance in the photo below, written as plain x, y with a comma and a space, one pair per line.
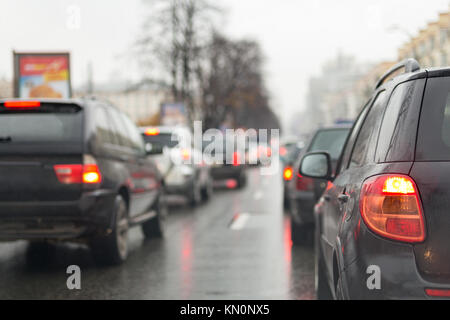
343, 198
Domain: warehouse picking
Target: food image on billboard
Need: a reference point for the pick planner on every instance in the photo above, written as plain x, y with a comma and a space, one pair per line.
40, 75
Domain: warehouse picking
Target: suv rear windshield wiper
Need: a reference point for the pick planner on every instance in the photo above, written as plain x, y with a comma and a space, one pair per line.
5, 139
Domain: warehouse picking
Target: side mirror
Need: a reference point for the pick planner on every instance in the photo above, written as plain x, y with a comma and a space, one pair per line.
153, 149
316, 165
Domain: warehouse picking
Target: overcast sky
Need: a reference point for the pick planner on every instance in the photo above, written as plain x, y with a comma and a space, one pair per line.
297, 35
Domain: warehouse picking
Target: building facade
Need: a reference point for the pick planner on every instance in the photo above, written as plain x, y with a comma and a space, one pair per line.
141, 103
6, 89
431, 47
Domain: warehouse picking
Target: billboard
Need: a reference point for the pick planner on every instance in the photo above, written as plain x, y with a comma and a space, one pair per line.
173, 114
42, 75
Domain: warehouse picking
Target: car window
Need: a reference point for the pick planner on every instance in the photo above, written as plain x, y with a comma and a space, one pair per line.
396, 109
345, 158
103, 130
60, 124
134, 137
163, 140
119, 128
433, 141
364, 150
330, 141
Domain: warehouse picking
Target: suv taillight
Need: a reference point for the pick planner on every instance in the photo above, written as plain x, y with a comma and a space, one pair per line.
86, 173
390, 206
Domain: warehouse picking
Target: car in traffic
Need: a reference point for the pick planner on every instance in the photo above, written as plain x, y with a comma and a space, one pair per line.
302, 192
185, 171
290, 149
228, 160
382, 225
75, 170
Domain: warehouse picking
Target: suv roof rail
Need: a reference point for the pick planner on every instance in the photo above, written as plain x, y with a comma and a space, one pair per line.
410, 65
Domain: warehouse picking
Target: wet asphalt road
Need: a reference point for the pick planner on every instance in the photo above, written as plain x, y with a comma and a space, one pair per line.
236, 246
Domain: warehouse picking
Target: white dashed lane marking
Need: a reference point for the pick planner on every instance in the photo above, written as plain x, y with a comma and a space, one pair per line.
239, 221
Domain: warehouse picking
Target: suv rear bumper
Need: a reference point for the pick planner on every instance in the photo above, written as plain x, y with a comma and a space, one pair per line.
57, 220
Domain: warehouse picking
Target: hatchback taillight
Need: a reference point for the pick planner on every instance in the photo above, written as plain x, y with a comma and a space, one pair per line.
86, 173
390, 206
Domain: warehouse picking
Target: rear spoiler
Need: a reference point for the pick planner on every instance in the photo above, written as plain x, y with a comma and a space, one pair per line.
51, 106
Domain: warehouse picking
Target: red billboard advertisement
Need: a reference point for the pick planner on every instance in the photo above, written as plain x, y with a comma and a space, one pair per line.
42, 75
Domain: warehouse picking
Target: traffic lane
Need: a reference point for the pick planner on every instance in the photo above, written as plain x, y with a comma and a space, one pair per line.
237, 246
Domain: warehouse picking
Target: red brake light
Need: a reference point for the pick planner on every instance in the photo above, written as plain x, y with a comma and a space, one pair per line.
441, 293
288, 173
236, 159
231, 184
22, 104
91, 174
69, 173
152, 132
390, 206
87, 173
283, 151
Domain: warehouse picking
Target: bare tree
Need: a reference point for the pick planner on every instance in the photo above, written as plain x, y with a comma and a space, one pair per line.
174, 34
232, 84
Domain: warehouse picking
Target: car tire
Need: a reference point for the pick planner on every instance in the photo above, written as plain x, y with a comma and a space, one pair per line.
241, 181
207, 191
323, 291
40, 253
154, 228
195, 196
112, 249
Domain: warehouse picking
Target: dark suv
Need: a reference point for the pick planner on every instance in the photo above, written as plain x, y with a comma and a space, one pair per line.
75, 170
383, 225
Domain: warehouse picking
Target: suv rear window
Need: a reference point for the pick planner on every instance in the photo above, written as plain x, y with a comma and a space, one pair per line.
331, 141
163, 140
433, 143
48, 124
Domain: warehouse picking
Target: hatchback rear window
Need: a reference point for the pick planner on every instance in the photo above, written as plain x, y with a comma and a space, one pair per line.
49, 124
331, 141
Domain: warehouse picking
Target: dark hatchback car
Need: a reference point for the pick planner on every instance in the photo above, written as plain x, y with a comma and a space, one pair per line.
301, 192
75, 170
228, 164
383, 223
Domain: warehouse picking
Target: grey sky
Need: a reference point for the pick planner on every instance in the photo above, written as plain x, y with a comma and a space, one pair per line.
297, 35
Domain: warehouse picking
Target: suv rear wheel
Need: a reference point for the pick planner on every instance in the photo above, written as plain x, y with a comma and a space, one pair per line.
112, 249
